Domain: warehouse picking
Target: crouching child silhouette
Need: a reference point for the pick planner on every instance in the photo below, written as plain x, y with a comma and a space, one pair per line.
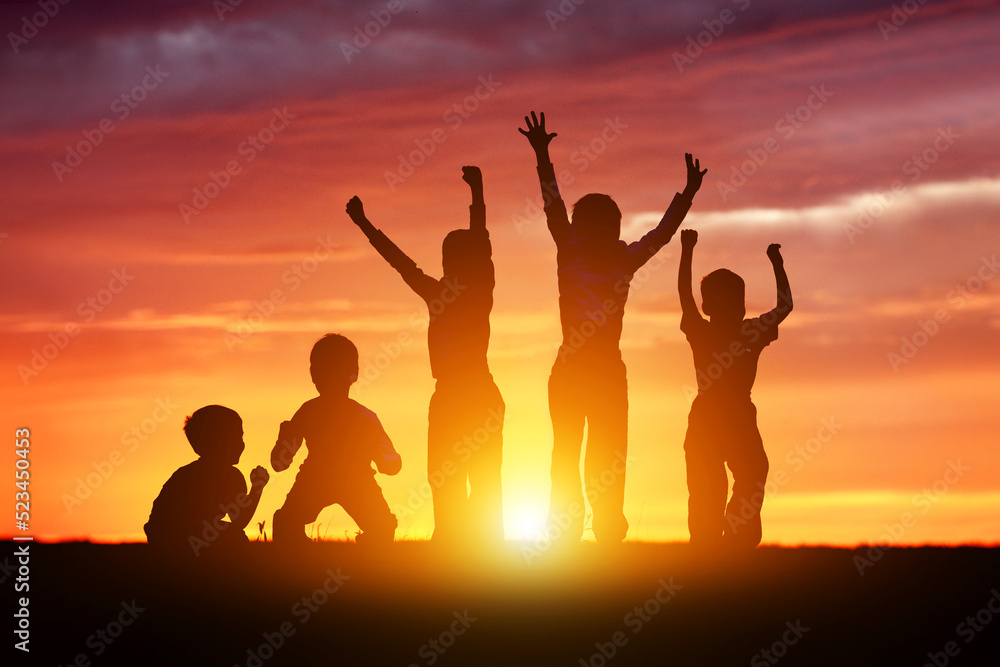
466, 413
588, 384
722, 425
188, 514
343, 438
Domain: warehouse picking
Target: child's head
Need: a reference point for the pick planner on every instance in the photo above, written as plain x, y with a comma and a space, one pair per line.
723, 296
455, 253
215, 433
597, 216
333, 364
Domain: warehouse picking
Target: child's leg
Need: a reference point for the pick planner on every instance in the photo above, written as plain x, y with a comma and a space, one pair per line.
301, 506
364, 502
607, 450
232, 537
706, 476
447, 471
748, 462
566, 407
485, 489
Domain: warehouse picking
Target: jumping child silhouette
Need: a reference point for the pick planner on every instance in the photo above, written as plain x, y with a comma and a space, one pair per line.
722, 425
588, 382
465, 418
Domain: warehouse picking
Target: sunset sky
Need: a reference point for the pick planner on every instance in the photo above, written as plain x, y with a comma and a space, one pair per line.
175, 175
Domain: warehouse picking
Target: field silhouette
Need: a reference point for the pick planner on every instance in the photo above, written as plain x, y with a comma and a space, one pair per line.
411, 604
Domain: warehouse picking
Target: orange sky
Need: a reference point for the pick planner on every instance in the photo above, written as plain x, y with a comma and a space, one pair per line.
883, 190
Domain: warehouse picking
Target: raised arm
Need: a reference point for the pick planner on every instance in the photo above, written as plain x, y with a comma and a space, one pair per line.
695, 175
539, 140
419, 282
555, 208
784, 305
643, 249
356, 210
477, 210
689, 308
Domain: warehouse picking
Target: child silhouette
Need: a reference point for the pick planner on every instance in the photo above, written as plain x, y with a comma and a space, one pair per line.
722, 425
588, 383
187, 515
343, 438
465, 418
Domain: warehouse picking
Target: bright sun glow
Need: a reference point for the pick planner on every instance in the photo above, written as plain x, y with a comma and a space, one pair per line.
526, 523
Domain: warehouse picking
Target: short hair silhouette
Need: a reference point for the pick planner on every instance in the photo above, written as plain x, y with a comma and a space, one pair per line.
335, 357
723, 293
599, 212
455, 253
207, 428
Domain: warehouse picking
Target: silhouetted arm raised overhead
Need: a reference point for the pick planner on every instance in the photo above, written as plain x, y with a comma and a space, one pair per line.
784, 306
477, 209
689, 309
478, 251
643, 249
555, 208
425, 286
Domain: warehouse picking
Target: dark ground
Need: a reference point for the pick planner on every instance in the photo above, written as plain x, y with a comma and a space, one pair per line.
413, 606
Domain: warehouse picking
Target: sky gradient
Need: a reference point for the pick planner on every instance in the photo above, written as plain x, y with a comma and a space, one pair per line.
174, 236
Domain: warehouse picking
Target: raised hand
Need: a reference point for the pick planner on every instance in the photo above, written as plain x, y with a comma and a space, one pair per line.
689, 237
784, 291
695, 174
356, 210
537, 136
473, 176
258, 478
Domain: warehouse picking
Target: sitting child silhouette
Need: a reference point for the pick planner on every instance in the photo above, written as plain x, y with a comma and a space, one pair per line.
343, 438
187, 515
722, 425
465, 418
588, 384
